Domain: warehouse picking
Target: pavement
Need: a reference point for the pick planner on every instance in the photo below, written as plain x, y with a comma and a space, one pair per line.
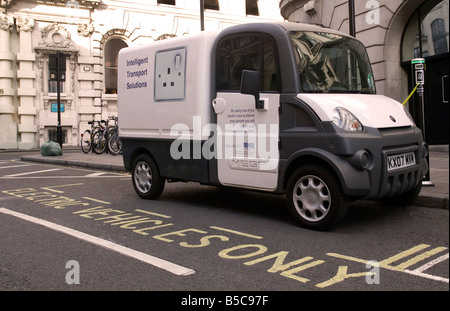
434, 195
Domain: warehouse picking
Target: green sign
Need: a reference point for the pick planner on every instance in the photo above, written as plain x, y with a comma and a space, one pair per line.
418, 61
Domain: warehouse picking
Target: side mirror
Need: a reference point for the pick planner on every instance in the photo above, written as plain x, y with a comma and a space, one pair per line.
250, 86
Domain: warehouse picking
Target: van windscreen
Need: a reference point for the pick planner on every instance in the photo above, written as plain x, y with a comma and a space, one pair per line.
331, 63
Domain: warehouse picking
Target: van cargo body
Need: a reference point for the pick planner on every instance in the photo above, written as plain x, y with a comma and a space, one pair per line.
284, 108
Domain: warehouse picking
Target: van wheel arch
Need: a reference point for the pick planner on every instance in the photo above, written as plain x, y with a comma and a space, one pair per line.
303, 160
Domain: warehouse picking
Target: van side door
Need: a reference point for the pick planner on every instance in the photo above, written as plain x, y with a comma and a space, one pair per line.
248, 129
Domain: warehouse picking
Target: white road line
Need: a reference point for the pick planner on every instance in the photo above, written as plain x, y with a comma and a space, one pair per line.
154, 261
96, 174
35, 172
420, 271
14, 166
58, 177
429, 264
426, 275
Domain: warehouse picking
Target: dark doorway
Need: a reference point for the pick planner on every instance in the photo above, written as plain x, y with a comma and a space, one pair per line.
436, 99
436, 95
426, 36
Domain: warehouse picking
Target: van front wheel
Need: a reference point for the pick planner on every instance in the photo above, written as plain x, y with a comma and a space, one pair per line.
315, 198
147, 182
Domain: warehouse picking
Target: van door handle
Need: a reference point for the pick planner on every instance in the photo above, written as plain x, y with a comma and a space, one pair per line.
444, 79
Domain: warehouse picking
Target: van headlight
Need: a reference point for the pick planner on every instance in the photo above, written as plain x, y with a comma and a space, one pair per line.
346, 120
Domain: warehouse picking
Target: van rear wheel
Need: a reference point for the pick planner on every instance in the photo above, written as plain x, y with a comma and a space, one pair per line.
147, 181
315, 198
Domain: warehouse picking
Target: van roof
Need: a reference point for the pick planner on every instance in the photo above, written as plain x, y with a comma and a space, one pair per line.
290, 26
285, 26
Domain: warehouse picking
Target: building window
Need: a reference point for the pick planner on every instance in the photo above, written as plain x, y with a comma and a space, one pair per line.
52, 83
250, 53
169, 2
416, 52
439, 36
212, 5
53, 136
251, 7
112, 48
53, 86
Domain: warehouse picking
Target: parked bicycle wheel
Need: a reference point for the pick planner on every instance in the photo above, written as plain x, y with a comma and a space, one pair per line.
86, 141
99, 142
114, 142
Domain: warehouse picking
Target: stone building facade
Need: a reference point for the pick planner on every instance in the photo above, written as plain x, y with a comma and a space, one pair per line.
394, 32
90, 33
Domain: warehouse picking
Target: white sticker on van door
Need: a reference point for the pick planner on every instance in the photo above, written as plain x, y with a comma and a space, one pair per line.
249, 137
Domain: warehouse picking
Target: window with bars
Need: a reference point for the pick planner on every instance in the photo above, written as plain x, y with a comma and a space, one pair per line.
53, 136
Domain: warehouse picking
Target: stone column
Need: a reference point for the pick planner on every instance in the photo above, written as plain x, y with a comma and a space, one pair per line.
26, 92
8, 126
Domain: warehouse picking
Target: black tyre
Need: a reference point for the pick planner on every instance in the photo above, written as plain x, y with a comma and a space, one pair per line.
114, 143
315, 198
86, 141
147, 181
99, 142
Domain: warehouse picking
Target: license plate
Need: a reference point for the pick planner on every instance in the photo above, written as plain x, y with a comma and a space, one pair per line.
398, 161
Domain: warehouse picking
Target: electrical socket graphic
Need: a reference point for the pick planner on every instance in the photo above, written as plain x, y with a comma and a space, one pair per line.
170, 74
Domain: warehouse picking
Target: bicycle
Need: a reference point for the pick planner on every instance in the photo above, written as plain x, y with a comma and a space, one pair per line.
88, 135
114, 142
99, 138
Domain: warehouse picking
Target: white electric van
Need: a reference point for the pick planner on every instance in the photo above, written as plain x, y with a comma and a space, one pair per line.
284, 108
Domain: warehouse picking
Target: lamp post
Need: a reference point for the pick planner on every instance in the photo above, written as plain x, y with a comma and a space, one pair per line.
57, 69
351, 18
202, 15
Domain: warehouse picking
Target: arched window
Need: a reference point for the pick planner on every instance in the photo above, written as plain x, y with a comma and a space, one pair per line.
111, 53
427, 31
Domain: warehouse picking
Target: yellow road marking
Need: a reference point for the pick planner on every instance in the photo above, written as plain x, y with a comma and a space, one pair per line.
50, 188
96, 200
154, 214
237, 232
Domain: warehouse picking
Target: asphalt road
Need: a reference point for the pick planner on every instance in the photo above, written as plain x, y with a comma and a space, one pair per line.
88, 230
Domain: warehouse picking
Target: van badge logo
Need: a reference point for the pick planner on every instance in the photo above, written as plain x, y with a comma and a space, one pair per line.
393, 119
